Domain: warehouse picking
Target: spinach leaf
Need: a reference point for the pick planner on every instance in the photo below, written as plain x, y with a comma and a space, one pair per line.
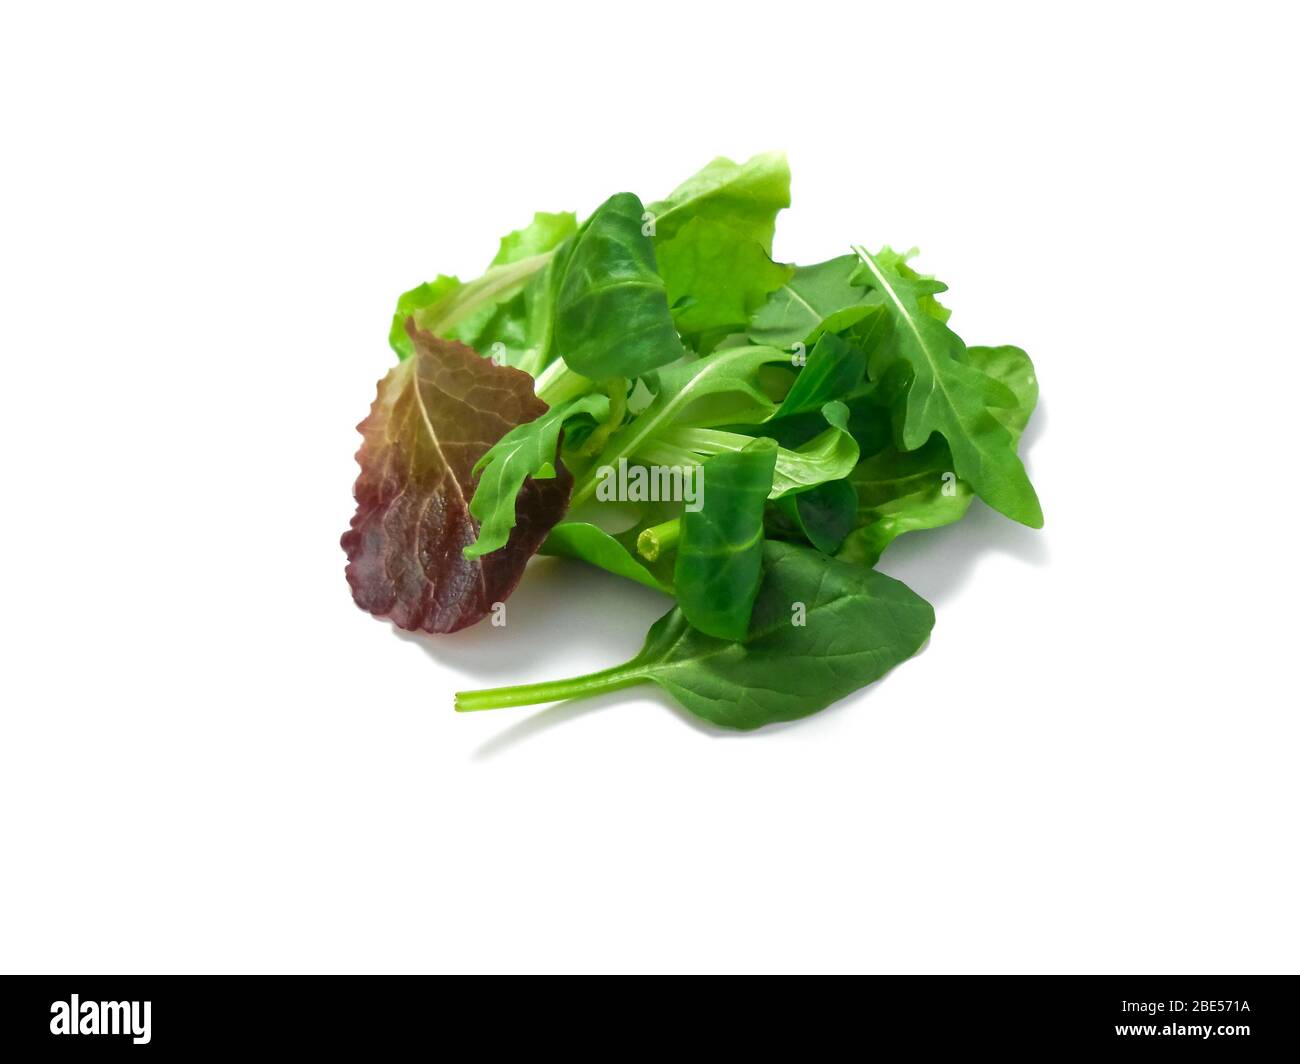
720, 553
824, 515
611, 316
820, 629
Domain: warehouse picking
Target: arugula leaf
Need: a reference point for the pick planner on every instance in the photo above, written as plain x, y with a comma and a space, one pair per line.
949, 396
824, 298
521, 453
435, 415
720, 553
611, 316
820, 629
721, 389
913, 490
828, 456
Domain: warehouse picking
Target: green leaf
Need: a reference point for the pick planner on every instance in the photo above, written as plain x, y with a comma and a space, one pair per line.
901, 492
716, 278
828, 456
545, 232
824, 514
430, 294
818, 299
1011, 366
516, 331
743, 197
909, 491
492, 308
724, 388
857, 624
834, 369
521, 453
587, 543
949, 396
720, 554
611, 306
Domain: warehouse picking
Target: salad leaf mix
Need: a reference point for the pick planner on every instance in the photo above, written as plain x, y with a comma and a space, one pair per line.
765, 430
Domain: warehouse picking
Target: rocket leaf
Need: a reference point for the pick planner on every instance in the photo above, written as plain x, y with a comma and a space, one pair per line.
522, 452
907, 491
949, 396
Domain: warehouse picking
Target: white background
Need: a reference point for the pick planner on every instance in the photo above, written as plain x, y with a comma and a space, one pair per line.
210, 760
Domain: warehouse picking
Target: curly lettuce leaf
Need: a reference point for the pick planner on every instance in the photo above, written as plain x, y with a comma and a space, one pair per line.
743, 197
436, 414
713, 236
498, 308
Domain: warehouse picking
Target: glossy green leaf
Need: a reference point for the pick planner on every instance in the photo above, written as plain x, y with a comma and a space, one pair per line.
611, 316
720, 553
824, 515
820, 629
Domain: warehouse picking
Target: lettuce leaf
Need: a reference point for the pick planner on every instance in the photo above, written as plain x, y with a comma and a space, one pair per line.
436, 414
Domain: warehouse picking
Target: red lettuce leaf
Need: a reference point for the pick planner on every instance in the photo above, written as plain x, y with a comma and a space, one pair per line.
435, 415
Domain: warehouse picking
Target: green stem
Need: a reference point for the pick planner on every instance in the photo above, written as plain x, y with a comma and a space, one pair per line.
558, 384
659, 539
552, 691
